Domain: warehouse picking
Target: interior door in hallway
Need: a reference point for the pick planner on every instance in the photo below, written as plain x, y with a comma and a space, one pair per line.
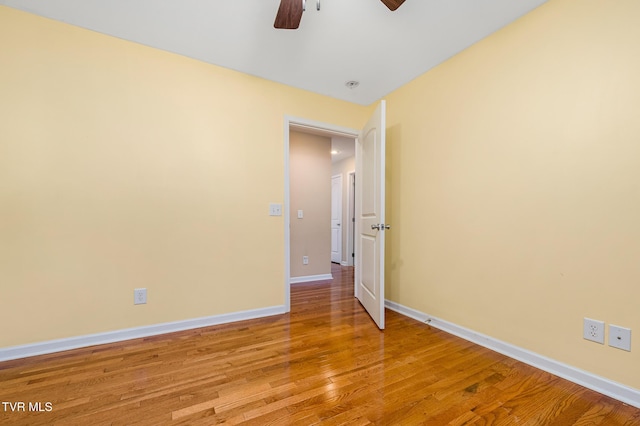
336, 218
370, 215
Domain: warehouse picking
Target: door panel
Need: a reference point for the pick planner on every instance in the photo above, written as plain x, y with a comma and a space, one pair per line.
370, 215
368, 268
368, 174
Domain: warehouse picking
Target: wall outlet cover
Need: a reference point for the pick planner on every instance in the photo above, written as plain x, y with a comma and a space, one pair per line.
620, 337
139, 296
593, 330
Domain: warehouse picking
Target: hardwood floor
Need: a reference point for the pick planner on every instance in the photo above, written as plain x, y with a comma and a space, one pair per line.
325, 362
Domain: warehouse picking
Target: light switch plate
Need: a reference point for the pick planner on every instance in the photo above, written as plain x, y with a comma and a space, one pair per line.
300, 214
275, 209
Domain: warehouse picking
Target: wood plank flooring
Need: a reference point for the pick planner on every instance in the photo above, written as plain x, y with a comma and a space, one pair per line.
324, 363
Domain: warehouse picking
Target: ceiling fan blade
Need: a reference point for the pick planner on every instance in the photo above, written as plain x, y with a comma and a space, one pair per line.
289, 15
393, 4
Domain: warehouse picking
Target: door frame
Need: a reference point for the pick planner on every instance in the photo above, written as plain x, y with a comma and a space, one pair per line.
351, 214
308, 126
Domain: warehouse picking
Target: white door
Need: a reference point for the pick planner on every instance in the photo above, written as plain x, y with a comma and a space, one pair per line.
336, 218
370, 217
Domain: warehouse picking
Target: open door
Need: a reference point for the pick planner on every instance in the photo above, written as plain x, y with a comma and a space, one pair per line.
370, 217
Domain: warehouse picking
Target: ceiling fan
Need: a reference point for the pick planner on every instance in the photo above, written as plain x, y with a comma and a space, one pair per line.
290, 12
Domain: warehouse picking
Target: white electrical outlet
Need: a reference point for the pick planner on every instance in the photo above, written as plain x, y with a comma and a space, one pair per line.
305, 260
139, 296
593, 330
620, 337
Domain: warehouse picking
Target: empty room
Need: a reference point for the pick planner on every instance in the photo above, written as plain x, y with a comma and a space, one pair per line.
147, 204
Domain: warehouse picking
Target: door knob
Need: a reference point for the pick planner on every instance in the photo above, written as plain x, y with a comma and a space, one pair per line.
376, 226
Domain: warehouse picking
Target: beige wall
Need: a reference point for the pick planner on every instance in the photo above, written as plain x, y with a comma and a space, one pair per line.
122, 166
343, 168
310, 191
514, 185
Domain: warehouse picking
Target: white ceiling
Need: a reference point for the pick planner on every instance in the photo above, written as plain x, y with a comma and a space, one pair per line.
346, 40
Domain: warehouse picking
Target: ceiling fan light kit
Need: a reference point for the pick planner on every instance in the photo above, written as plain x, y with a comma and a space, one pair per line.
304, 5
290, 12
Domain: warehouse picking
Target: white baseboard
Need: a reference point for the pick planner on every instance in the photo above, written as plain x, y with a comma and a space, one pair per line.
51, 346
309, 278
591, 381
344, 263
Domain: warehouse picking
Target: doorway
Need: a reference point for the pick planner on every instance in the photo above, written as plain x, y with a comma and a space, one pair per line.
312, 127
370, 144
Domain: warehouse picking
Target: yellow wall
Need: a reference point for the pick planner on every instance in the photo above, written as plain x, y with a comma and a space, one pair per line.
123, 166
514, 185
310, 189
513, 173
